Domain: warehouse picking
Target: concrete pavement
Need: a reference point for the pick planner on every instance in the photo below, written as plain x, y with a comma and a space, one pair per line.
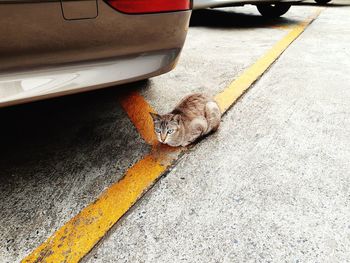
271, 185
57, 157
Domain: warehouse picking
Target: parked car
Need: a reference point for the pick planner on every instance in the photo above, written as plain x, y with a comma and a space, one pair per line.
57, 47
268, 8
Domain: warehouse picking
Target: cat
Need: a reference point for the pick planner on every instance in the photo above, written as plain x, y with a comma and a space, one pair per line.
195, 116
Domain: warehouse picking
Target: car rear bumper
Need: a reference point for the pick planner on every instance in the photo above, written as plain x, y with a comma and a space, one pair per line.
44, 55
36, 35
16, 88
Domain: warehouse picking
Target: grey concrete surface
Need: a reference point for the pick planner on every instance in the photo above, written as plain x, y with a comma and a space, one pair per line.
273, 184
57, 156
220, 44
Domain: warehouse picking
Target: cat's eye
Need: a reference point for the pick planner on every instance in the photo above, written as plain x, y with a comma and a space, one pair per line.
170, 131
158, 130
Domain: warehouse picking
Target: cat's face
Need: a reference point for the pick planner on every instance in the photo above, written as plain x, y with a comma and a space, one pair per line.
166, 127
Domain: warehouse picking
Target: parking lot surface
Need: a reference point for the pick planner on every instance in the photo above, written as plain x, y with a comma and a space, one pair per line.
272, 185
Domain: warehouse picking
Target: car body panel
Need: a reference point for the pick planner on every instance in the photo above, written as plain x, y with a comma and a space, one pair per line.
36, 37
45, 83
201, 4
81, 9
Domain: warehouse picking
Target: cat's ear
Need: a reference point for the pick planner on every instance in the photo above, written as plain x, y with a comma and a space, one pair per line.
155, 116
177, 118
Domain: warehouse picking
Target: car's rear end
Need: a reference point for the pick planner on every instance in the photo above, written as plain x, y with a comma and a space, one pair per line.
51, 48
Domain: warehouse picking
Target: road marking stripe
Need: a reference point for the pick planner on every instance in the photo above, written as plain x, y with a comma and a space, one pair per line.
78, 236
281, 27
227, 97
138, 111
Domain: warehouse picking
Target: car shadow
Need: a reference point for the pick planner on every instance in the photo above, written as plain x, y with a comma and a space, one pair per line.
39, 130
223, 18
57, 156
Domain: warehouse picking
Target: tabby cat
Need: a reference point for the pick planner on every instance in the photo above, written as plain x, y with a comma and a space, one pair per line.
196, 115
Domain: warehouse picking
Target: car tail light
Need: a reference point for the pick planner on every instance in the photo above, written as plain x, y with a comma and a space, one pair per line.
149, 6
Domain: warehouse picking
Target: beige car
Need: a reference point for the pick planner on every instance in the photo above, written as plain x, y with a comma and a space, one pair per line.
55, 47
267, 8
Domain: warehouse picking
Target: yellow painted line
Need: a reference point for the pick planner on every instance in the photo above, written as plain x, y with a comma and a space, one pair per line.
78, 236
138, 111
281, 27
227, 97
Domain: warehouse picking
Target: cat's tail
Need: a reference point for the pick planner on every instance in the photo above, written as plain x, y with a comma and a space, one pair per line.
213, 116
